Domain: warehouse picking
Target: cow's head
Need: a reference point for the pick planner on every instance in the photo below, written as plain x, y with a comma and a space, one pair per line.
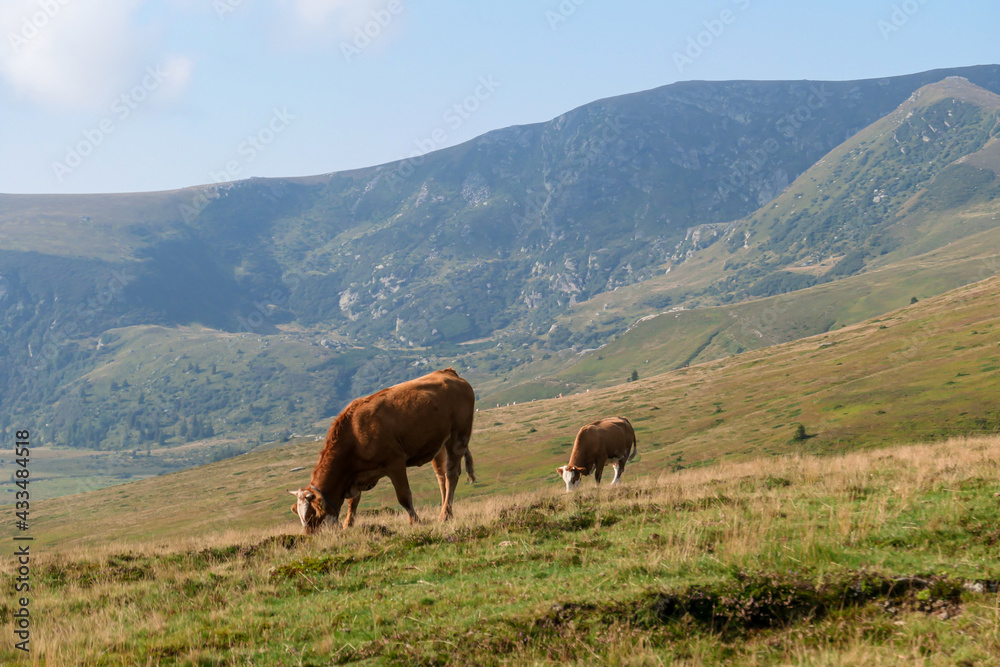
572, 476
310, 508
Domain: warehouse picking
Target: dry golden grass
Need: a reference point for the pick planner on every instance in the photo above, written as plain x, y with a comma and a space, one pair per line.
391, 592
910, 468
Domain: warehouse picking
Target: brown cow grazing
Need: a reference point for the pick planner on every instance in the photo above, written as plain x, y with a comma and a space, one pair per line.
426, 419
611, 439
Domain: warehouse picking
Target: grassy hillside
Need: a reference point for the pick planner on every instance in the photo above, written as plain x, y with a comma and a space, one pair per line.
933, 206
105, 227
879, 558
161, 399
849, 205
150, 384
670, 340
506, 256
734, 537
928, 370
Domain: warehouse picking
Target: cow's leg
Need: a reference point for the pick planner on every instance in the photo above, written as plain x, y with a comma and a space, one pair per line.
454, 470
455, 450
352, 509
440, 465
397, 475
599, 469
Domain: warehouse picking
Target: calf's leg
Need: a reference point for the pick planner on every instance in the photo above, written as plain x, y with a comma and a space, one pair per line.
598, 470
619, 469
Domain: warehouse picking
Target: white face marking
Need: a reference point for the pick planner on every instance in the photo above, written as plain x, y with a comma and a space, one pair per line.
303, 507
568, 477
302, 498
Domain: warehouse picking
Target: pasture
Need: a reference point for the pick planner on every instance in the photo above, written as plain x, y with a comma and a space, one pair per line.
778, 512
883, 557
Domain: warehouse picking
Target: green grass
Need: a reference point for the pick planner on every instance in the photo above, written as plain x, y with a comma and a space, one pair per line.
879, 558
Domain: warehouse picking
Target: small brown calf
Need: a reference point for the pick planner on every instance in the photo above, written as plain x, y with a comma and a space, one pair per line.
611, 439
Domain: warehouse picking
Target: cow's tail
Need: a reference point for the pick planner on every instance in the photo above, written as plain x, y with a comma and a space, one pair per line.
469, 469
635, 441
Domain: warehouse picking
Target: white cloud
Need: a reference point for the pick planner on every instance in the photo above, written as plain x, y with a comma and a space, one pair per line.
318, 12
344, 15
78, 54
179, 70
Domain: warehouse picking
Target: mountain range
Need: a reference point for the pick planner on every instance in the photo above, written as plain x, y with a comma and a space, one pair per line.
233, 314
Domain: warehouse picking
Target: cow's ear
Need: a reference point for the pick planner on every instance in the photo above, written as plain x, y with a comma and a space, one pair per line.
295, 509
294, 493
559, 471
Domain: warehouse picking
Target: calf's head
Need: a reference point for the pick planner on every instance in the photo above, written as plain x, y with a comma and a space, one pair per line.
310, 508
572, 476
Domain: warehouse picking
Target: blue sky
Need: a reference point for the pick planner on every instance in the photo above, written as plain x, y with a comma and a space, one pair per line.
133, 95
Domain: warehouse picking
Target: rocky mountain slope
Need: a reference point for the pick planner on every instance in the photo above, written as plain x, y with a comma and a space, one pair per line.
249, 310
